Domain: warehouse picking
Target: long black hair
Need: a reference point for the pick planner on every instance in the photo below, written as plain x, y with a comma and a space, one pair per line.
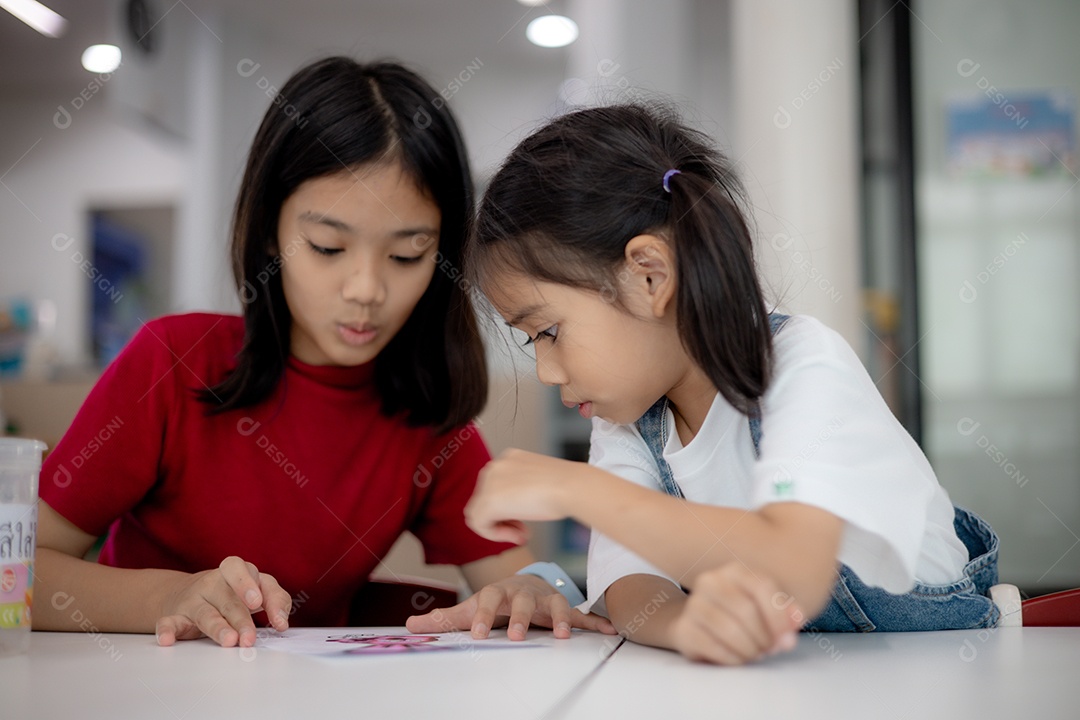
332, 115
570, 196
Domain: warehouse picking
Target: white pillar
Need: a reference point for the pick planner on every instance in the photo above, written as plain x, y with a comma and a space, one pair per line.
200, 256
796, 140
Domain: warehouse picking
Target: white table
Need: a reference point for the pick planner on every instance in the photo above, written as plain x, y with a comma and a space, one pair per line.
76, 676
1008, 673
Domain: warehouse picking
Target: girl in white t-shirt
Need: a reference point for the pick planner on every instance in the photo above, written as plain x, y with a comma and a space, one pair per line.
746, 478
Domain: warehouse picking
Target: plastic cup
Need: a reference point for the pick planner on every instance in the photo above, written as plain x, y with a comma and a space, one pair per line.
20, 464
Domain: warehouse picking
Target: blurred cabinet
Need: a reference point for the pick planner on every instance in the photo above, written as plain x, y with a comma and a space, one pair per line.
43, 410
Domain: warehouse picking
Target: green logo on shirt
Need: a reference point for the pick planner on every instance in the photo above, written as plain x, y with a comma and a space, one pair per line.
783, 487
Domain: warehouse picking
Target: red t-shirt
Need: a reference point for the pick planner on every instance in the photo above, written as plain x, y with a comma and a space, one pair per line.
313, 485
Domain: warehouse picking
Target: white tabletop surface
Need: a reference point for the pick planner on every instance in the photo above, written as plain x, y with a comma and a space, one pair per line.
1007, 673
78, 676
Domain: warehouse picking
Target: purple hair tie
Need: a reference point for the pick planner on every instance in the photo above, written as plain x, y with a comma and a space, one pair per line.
667, 176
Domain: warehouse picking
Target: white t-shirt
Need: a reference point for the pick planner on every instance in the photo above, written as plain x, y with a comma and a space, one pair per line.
828, 440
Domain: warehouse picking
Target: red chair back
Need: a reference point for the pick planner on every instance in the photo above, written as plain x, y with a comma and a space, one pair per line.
1061, 609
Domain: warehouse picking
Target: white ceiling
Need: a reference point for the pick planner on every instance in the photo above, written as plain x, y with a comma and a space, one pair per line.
427, 33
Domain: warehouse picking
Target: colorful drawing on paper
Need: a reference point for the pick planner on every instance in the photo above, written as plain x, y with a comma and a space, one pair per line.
390, 644
332, 642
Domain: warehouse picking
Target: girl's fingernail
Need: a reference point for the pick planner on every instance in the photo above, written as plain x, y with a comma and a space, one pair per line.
251, 598
563, 626
479, 630
519, 629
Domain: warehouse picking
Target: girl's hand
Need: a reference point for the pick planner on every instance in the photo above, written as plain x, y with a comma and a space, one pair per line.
734, 616
219, 604
517, 486
518, 600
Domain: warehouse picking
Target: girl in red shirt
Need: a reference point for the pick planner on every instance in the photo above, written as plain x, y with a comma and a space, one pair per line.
268, 462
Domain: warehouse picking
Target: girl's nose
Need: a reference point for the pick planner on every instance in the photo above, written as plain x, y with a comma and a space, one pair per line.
547, 371
364, 285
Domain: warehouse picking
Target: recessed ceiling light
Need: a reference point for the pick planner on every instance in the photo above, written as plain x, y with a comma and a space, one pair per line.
552, 31
532, 3
37, 16
101, 58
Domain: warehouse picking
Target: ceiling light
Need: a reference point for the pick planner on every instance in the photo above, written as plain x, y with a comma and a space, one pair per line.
37, 16
101, 58
552, 31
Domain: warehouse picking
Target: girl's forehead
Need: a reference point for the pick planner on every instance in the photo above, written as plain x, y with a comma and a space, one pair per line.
519, 298
512, 294
385, 193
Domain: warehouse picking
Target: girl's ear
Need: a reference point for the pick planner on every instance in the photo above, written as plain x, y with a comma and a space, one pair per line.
650, 264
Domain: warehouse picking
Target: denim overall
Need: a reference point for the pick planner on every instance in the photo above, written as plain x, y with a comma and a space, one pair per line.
856, 607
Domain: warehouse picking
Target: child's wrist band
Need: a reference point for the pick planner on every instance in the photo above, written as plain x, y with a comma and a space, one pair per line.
557, 578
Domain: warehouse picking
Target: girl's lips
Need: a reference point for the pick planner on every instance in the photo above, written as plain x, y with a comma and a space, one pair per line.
357, 335
585, 408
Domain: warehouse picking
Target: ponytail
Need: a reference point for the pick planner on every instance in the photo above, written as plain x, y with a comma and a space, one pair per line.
722, 320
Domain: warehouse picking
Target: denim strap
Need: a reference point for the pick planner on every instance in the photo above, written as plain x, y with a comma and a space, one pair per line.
653, 427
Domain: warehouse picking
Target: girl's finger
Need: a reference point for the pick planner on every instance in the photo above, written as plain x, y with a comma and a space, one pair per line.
522, 607
592, 621
171, 628
276, 602
214, 625
729, 616
236, 615
458, 617
243, 578
722, 629
776, 610
695, 640
561, 616
489, 601
730, 599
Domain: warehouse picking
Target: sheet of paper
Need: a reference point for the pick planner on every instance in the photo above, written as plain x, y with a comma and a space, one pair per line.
336, 642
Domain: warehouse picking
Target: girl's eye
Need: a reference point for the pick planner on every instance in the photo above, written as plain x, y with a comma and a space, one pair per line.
551, 333
406, 260
323, 250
